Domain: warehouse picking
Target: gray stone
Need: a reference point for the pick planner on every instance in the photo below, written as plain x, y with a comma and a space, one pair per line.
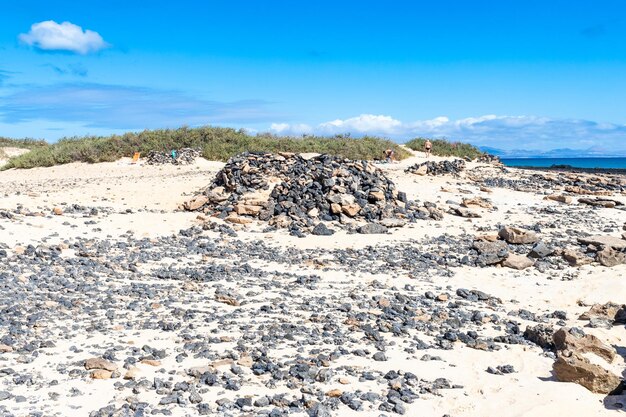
541, 250
372, 228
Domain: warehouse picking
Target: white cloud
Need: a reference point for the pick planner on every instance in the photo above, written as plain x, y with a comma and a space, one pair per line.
364, 123
287, 129
123, 107
52, 36
506, 132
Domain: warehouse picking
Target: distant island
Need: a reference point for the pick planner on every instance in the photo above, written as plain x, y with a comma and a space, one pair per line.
553, 153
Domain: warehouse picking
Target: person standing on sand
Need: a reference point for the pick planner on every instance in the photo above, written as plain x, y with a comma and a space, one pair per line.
390, 155
427, 147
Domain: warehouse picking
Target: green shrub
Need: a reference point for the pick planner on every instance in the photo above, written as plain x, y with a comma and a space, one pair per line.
216, 144
22, 143
442, 147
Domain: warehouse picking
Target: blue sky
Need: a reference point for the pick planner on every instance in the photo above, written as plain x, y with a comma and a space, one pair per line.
508, 74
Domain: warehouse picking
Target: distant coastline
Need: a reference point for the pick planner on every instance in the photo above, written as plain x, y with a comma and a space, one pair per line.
585, 164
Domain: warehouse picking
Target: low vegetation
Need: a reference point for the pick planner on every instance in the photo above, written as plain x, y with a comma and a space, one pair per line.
22, 143
442, 147
19, 143
216, 144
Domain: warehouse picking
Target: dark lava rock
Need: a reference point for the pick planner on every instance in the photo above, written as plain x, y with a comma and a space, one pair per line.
540, 250
321, 230
540, 335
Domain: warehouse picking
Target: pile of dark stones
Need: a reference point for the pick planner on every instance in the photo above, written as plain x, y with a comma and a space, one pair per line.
454, 167
184, 156
488, 159
290, 191
572, 183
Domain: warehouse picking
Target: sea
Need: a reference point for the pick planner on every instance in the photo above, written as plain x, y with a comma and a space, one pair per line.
602, 163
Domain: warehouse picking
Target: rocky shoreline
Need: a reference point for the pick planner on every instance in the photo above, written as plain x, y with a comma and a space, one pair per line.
456, 292
575, 170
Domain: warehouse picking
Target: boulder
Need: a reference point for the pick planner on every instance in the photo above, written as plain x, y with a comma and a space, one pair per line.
392, 222
420, 170
372, 229
491, 252
100, 363
559, 198
604, 241
491, 247
132, 373
541, 250
434, 213
321, 230
57, 211
281, 221
599, 202
517, 261
611, 257
101, 374
341, 199
518, 236
487, 238
376, 196
351, 210
540, 335
196, 202
217, 195
477, 201
576, 257
247, 209
237, 220
579, 370
614, 312
463, 212
566, 339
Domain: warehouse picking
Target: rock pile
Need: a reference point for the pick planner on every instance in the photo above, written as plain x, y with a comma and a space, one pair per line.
488, 159
454, 167
288, 190
609, 250
519, 248
492, 251
184, 156
572, 183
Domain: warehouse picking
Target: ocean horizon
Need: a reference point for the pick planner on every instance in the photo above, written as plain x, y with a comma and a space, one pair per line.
582, 162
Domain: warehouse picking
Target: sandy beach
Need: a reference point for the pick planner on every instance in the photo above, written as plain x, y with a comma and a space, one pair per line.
196, 316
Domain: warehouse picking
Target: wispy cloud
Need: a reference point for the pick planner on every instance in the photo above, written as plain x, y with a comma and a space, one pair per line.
594, 31
506, 132
123, 107
4, 75
71, 69
599, 29
52, 36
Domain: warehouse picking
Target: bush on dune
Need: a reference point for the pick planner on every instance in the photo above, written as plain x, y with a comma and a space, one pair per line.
26, 143
442, 147
216, 144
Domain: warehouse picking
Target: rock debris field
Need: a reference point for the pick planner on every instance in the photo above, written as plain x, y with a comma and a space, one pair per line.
279, 285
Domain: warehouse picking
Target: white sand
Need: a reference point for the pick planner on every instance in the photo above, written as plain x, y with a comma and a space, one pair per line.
120, 186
